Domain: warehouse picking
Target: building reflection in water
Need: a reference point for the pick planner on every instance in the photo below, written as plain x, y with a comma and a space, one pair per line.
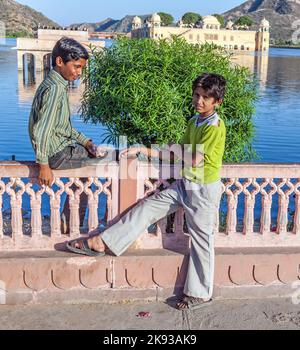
258, 64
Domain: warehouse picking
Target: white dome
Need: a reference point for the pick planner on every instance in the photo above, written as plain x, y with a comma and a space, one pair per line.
137, 20
211, 20
155, 17
265, 23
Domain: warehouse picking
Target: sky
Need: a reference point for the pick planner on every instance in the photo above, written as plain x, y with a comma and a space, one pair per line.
66, 12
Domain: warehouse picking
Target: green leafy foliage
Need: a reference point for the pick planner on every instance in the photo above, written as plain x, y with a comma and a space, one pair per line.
244, 21
142, 89
166, 18
20, 34
191, 18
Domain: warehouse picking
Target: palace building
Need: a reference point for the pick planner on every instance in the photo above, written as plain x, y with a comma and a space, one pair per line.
209, 30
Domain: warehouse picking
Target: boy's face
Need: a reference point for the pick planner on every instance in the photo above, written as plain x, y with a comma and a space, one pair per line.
204, 104
71, 70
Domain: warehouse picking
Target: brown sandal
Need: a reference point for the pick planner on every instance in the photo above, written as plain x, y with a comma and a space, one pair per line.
192, 303
84, 248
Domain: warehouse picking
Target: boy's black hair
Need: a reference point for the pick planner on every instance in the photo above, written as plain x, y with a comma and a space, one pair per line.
213, 84
68, 49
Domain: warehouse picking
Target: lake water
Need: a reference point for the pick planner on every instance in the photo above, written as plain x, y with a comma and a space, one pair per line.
15, 104
277, 118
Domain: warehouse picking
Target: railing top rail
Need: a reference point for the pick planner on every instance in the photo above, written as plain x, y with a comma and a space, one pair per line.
30, 169
241, 170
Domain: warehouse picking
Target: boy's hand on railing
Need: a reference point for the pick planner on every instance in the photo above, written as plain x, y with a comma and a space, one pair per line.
91, 148
45, 175
103, 151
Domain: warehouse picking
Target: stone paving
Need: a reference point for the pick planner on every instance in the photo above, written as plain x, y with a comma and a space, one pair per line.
261, 314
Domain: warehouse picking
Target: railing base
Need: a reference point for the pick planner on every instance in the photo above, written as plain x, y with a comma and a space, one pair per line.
59, 277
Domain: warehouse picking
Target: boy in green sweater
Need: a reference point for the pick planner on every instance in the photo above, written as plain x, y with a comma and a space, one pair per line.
198, 192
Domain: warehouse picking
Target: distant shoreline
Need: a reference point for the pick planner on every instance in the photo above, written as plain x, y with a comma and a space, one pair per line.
284, 47
271, 46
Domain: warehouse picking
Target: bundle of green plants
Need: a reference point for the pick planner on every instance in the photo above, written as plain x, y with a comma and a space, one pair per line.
142, 89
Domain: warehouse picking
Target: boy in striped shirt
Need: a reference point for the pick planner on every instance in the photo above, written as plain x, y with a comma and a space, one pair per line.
56, 143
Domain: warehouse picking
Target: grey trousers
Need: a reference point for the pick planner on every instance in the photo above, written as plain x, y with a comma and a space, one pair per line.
200, 203
71, 157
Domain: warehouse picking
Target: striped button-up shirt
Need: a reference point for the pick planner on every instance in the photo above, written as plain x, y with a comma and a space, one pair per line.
50, 127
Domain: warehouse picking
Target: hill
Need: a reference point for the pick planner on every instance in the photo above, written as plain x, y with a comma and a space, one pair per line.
110, 25
280, 13
20, 19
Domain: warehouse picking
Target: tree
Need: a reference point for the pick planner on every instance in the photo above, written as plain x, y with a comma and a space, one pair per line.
142, 89
244, 21
166, 18
221, 19
191, 18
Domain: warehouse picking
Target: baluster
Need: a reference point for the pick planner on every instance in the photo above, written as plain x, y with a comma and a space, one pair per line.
232, 205
282, 219
74, 217
74, 201
249, 205
265, 221
113, 211
1, 218
231, 211
36, 218
217, 222
267, 197
109, 200
35, 205
288, 192
2, 191
93, 220
296, 228
16, 207
55, 201
55, 221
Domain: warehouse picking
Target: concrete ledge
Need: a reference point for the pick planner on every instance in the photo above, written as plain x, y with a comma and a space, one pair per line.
61, 277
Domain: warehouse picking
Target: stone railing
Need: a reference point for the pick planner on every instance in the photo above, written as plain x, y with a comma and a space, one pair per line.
260, 205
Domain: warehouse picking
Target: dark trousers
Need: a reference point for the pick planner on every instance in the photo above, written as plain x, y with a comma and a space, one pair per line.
72, 157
